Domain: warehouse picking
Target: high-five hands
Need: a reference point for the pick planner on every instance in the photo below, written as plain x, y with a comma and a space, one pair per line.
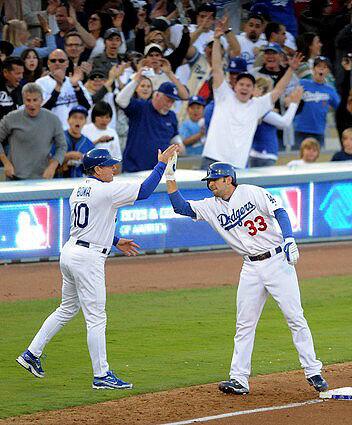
171, 167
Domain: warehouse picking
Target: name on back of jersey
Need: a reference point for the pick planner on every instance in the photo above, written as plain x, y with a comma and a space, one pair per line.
237, 216
83, 191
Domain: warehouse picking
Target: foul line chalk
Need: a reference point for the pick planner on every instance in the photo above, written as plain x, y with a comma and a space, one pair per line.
245, 412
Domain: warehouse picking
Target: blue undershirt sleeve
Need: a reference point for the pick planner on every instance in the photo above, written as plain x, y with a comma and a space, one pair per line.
115, 240
284, 222
180, 205
152, 181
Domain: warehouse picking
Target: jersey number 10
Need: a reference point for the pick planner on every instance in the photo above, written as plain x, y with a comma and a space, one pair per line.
81, 215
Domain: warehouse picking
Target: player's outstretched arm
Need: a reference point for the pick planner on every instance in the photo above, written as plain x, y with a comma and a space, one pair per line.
152, 181
179, 204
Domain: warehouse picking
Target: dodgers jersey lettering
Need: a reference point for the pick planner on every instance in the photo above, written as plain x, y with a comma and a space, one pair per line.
94, 206
246, 222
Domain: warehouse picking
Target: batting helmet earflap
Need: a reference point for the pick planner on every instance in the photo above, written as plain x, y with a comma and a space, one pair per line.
97, 156
220, 169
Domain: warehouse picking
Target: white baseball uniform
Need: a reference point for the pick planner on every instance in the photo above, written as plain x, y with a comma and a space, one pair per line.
248, 224
93, 206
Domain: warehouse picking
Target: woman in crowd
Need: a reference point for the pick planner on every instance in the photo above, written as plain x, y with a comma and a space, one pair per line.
265, 147
144, 89
33, 66
98, 23
16, 32
309, 45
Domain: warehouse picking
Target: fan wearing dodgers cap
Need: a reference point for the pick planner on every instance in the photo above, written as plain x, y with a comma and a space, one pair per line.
236, 112
152, 123
192, 130
272, 59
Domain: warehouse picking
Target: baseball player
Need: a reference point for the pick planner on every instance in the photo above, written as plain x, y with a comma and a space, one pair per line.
254, 224
93, 203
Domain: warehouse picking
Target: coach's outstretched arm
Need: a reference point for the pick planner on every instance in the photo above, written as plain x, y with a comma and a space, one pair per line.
152, 181
283, 82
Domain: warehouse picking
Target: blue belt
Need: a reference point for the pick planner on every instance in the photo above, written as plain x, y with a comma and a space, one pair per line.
87, 245
264, 256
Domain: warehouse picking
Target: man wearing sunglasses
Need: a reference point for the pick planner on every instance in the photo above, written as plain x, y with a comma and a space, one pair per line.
61, 93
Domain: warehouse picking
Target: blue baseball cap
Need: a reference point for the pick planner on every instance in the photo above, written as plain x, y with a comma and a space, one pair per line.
260, 10
237, 65
169, 90
274, 47
79, 109
196, 99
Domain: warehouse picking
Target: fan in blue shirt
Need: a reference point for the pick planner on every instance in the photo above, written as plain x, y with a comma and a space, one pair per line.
77, 144
152, 125
192, 130
318, 97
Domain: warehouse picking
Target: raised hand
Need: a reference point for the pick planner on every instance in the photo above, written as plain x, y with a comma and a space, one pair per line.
219, 29
168, 153
128, 247
171, 167
77, 76
296, 95
52, 6
43, 23
295, 61
165, 66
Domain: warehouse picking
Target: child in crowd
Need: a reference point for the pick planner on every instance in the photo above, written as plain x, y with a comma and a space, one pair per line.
99, 132
192, 130
309, 152
346, 153
77, 144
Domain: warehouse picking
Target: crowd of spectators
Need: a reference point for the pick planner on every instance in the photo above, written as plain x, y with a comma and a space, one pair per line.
238, 81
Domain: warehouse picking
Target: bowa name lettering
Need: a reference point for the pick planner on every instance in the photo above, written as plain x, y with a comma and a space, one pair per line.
83, 191
236, 218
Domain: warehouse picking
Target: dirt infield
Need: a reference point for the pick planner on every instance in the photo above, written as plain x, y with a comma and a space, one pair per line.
33, 281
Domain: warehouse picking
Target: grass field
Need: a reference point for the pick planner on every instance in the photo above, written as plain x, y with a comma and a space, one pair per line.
162, 340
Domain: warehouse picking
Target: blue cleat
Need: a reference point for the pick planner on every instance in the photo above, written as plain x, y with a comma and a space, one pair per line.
110, 382
31, 363
318, 382
232, 387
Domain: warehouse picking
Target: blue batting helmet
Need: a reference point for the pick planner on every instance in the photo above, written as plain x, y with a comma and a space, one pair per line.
220, 169
101, 157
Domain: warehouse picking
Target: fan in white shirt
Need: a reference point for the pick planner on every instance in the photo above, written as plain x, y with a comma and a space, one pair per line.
99, 132
236, 113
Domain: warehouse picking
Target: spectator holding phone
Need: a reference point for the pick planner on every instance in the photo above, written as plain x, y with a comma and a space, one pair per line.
99, 132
